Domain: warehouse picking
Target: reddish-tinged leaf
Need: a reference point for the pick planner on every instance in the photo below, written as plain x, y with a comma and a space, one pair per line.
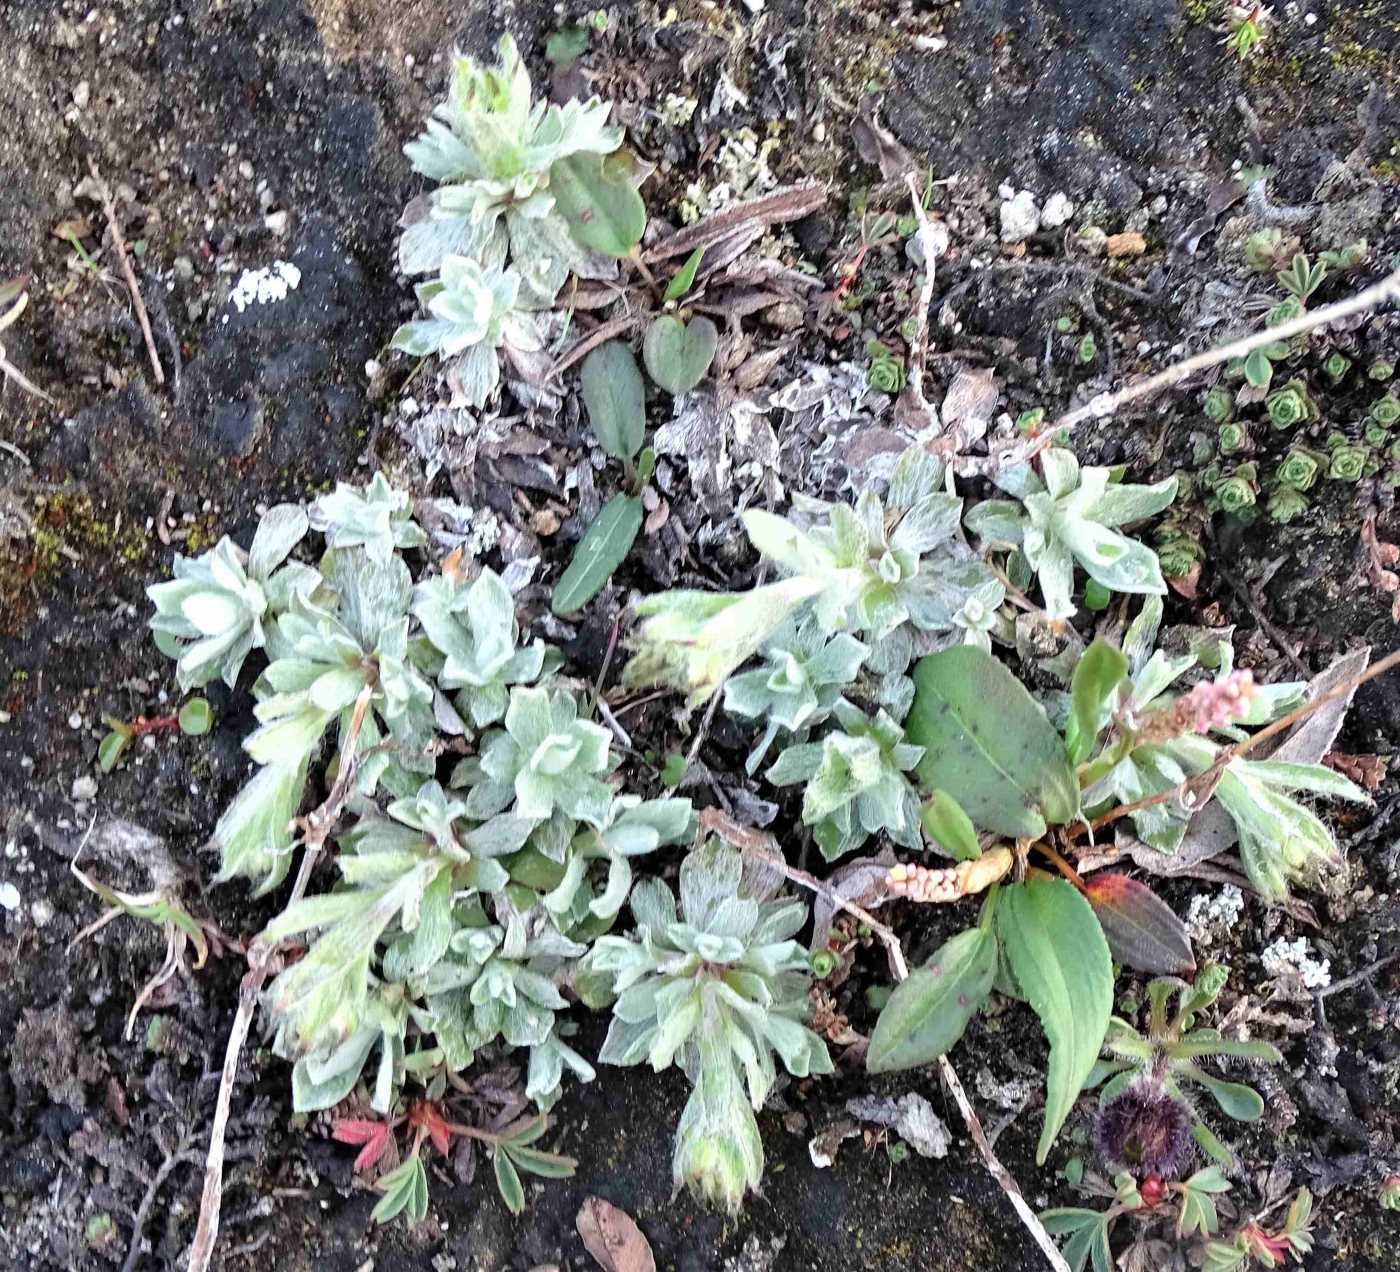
375, 1136
1143, 933
428, 1118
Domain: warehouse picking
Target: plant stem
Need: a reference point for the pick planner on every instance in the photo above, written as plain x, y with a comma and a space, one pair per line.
317, 828
1105, 405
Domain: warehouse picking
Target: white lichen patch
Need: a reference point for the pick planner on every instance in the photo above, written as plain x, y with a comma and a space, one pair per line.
265, 286
1210, 919
1288, 959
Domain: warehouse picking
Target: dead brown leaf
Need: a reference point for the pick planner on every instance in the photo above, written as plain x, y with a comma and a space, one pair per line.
612, 1237
1380, 556
1130, 243
1367, 771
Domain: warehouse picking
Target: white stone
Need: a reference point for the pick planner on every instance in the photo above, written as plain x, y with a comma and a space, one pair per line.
1019, 218
9, 896
1057, 210
84, 788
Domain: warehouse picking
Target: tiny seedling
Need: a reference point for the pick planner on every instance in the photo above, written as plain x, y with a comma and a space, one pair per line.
615, 398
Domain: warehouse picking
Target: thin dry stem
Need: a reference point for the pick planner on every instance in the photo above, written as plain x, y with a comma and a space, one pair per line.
945, 1066
1239, 749
1106, 405
118, 242
317, 826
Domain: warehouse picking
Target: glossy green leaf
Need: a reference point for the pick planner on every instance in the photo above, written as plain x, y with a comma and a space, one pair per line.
928, 1012
615, 397
196, 717
604, 546
1097, 675
111, 749
986, 738
405, 1189
508, 1182
684, 278
679, 353
943, 818
1236, 1100
597, 196
1143, 931
1061, 960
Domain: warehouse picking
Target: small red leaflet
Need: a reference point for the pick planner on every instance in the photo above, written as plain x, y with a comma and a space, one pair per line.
377, 1138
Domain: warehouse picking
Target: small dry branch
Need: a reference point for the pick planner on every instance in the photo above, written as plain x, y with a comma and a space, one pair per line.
109, 207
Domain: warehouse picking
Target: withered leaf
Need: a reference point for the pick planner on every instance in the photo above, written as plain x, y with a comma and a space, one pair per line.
612, 1237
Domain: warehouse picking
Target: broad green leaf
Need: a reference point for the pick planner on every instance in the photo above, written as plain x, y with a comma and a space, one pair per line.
929, 1011
1097, 676
616, 399
508, 1182
1061, 960
1258, 370
1143, 931
604, 546
943, 817
684, 278
1236, 1100
111, 749
988, 740
598, 197
196, 717
405, 1189
678, 354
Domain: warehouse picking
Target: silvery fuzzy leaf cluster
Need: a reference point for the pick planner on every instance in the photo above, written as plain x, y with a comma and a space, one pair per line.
461, 912
491, 149
1069, 517
717, 986
1279, 838
855, 781
211, 615
881, 569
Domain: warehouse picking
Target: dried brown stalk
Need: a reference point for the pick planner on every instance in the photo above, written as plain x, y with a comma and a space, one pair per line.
119, 243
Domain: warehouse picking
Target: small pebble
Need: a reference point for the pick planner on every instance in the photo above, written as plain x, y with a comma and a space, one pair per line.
84, 788
75, 721
1019, 218
9, 896
276, 222
82, 94
41, 912
245, 170
1057, 210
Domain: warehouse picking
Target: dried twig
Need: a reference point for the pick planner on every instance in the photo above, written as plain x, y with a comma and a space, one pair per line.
1105, 405
788, 204
934, 240
182, 1155
118, 242
762, 847
614, 327
317, 827
1356, 978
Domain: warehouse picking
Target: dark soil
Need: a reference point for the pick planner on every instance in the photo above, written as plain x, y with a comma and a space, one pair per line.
240, 132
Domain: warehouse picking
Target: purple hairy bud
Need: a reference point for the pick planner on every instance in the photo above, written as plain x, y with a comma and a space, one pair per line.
1144, 1130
